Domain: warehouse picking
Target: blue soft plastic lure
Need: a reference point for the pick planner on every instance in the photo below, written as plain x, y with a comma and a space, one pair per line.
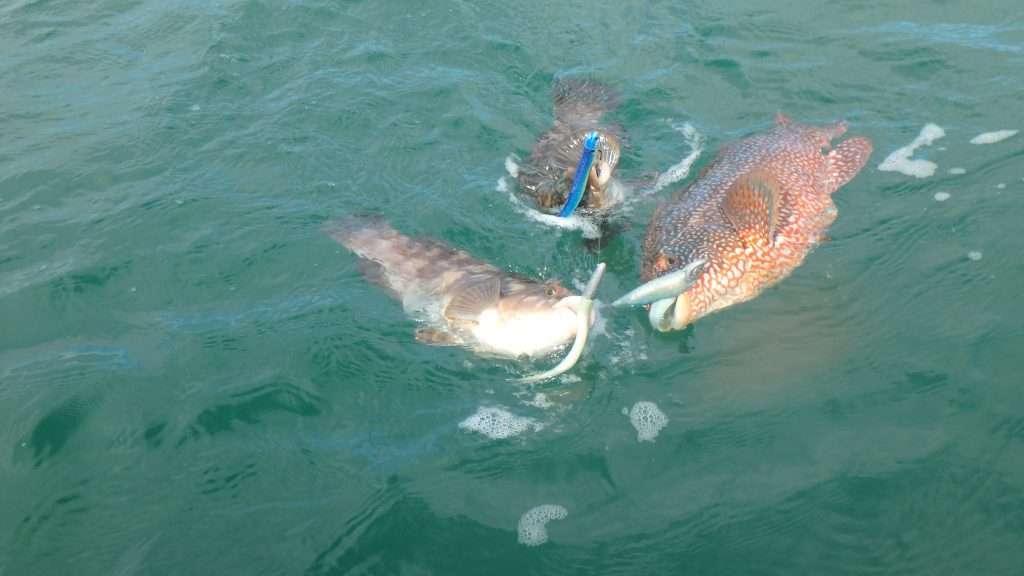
579, 182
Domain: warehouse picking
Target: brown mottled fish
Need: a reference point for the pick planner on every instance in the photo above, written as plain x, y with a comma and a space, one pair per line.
746, 222
463, 301
547, 175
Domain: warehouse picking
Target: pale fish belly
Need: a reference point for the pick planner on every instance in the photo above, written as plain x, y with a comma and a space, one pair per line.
530, 333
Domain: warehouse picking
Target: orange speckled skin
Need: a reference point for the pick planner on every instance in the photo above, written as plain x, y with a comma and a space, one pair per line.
739, 264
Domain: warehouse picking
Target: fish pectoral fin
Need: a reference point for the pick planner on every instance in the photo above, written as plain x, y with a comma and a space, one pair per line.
846, 160
752, 206
436, 337
473, 298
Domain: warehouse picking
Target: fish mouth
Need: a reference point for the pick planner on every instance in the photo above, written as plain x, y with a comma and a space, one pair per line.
600, 176
669, 314
583, 306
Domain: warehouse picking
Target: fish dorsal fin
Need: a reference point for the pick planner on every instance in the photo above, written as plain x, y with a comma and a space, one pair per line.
473, 298
752, 206
782, 119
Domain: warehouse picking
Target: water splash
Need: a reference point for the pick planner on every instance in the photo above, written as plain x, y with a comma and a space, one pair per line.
681, 169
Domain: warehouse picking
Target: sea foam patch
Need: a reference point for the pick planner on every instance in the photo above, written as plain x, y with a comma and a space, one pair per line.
497, 423
993, 137
900, 160
647, 419
533, 529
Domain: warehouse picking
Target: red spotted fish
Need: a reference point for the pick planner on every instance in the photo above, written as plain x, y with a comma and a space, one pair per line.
746, 222
547, 175
466, 302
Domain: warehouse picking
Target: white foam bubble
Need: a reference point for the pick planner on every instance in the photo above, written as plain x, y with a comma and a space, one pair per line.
974, 255
533, 530
502, 185
575, 222
648, 420
941, 196
497, 423
901, 161
957, 171
993, 137
1001, 186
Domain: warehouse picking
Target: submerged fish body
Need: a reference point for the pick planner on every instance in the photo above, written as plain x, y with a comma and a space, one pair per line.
752, 216
459, 299
547, 174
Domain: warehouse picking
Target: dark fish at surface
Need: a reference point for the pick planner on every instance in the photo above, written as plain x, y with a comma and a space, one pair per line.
547, 174
461, 300
746, 222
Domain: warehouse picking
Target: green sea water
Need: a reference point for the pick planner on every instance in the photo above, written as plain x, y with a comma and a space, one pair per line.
195, 380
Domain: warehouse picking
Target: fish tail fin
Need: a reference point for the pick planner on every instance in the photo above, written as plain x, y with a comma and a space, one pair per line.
370, 237
348, 230
401, 263
846, 160
583, 100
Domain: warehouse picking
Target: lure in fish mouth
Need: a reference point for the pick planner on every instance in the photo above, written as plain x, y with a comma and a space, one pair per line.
462, 301
593, 174
753, 215
584, 306
665, 296
550, 172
